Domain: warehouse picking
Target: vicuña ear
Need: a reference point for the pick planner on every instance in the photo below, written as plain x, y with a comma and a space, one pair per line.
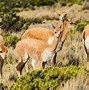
58, 14
70, 21
53, 26
65, 16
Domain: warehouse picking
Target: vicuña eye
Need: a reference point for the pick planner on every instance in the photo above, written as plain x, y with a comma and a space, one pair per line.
0, 51
59, 14
55, 31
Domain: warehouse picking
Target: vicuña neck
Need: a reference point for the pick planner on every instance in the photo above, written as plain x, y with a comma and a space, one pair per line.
53, 46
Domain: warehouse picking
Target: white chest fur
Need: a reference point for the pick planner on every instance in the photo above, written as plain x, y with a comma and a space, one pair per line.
87, 42
50, 40
46, 55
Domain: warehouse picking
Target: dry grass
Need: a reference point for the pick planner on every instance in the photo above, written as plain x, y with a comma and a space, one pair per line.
11, 56
46, 13
9, 68
9, 74
81, 82
39, 12
73, 51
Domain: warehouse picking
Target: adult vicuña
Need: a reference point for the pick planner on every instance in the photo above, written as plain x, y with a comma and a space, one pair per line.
3, 51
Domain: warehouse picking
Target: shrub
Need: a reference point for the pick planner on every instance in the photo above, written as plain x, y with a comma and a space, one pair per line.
74, 1
3, 87
47, 79
27, 3
65, 2
7, 6
11, 41
12, 22
3, 8
42, 2
80, 26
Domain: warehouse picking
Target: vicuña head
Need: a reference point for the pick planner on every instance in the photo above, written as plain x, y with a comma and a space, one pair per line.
62, 15
3, 51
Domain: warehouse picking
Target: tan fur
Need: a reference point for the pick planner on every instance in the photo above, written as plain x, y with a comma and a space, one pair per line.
66, 24
38, 33
3, 51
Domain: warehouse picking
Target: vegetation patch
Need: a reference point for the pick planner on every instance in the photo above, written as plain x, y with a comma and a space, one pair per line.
25, 3
71, 2
3, 87
47, 79
7, 5
80, 26
11, 22
12, 40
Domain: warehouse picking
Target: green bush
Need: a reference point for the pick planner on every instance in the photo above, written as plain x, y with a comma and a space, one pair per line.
3, 87
75, 1
42, 2
80, 26
47, 79
65, 2
26, 3
3, 8
12, 22
11, 41
8, 5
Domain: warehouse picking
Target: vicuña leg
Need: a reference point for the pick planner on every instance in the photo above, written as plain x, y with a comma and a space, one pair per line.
87, 64
1, 65
54, 59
